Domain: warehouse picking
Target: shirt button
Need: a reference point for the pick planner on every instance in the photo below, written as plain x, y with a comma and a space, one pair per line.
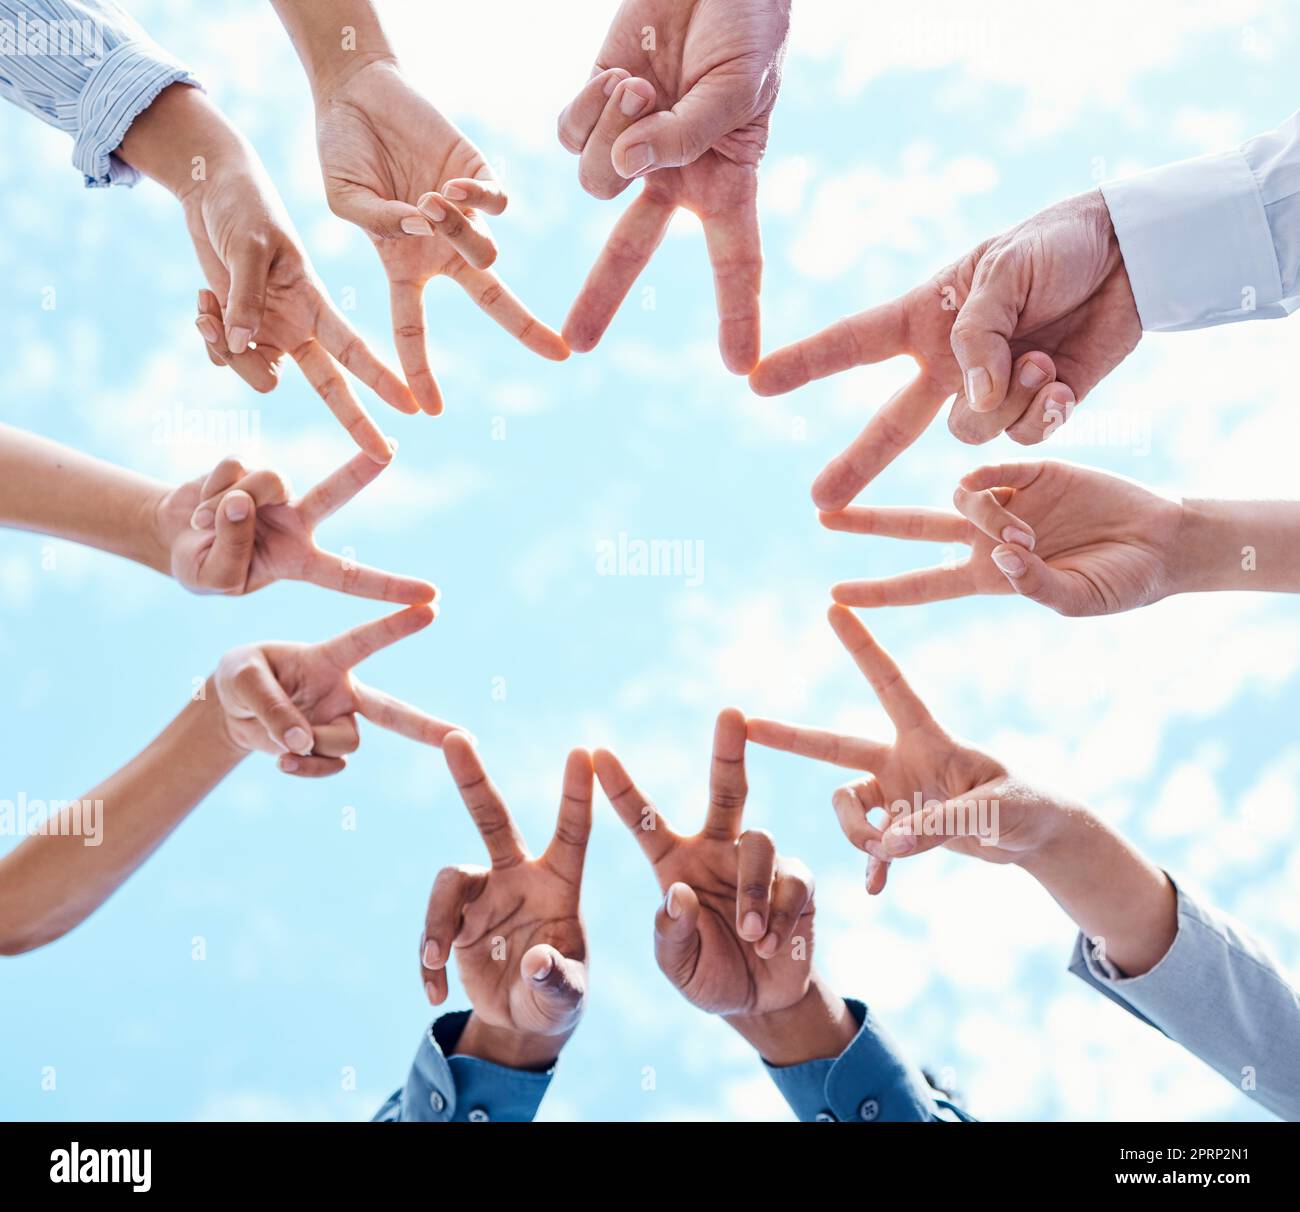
437, 1102
869, 1109
479, 1116
825, 1117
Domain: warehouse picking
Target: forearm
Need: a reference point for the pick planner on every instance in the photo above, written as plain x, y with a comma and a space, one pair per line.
1239, 545
1110, 890
55, 879
333, 37
182, 139
817, 1027
53, 490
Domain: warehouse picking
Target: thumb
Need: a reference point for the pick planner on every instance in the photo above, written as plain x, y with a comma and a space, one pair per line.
980, 334
1030, 577
680, 136
677, 936
249, 265
558, 982
938, 822
225, 569
383, 218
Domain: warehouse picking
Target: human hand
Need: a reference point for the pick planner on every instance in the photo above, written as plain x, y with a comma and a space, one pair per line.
515, 929
395, 167
1022, 328
923, 789
681, 95
300, 701
1080, 541
234, 532
735, 931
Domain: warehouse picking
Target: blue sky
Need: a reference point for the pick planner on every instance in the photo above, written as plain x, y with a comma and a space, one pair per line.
897, 143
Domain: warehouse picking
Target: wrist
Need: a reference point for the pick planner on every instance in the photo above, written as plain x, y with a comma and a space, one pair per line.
340, 38
207, 708
817, 1026
507, 1047
157, 532
1063, 842
1217, 547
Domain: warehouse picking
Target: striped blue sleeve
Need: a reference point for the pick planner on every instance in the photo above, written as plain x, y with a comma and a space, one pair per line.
88, 69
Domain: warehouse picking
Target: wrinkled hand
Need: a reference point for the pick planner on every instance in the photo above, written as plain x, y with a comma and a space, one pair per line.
1077, 540
914, 780
234, 531
266, 301
681, 95
395, 167
1022, 328
300, 700
515, 928
735, 931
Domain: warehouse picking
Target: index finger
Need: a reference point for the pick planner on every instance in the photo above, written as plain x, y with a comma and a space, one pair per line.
401, 718
897, 424
504, 844
347, 347
353, 647
727, 786
897, 698
568, 848
854, 752
736, 254
870, 336
337, 489
636, 812
331, 386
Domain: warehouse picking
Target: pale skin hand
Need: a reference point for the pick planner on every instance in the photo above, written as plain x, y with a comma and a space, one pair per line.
515, 928
1021, 329
300, 701
395, 167
265, 299
1077, 540
920, 789
234, 531
734, 934
689, 114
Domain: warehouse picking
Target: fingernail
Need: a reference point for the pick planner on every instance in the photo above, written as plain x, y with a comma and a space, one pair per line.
288, 764
1013, 534
766, 946
414, 226
631, 103
611, 82
978, 384
639, 158
237, 508
1009, 562
752, 926
456, 193
209, 329
900, 842
429, 993
435, 212
238, 339
203, 519
674, 910
431, 953
298, 740
1032, 375
545, 970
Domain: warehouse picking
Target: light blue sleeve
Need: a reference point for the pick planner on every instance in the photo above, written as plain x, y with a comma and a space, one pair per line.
88, 69
446, 1088
1218, 994
1215, 239
870, 1081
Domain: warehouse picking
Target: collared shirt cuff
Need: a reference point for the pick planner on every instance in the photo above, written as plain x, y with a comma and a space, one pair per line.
870, 1080
444, 1088
121, 88
1196, 243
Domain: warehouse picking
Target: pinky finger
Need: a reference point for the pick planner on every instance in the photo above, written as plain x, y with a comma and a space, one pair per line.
311, 767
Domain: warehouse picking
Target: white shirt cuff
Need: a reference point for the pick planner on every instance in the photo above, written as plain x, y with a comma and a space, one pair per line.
1196, 243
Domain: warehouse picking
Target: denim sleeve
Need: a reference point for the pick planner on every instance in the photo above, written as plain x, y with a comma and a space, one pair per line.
869, 1081
1218, 994
443, 1088
84, 67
